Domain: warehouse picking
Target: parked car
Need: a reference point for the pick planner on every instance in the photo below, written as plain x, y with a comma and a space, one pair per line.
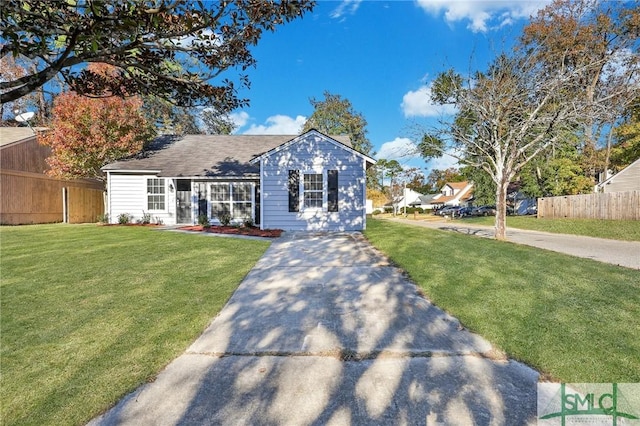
484, 211
449, 211
465, 211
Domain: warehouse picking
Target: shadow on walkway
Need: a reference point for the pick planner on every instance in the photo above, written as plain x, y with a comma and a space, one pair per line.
323, 331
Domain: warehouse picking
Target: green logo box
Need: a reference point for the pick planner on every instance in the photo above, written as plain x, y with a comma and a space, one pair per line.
565, 404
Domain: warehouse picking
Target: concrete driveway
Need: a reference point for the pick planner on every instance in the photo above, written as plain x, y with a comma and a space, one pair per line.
621, 253
324, 330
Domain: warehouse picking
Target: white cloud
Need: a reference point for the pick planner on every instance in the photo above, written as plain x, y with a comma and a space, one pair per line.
397, 149
240, 119
207, 38
418, 103
345, 7
278, 125
442, 163
482, 15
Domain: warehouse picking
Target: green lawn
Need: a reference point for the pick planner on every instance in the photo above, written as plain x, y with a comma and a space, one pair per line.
575, 320
88, 313
625, 230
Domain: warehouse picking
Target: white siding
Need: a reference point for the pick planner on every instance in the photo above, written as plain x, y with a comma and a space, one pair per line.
128, 194
627, 180
313, 154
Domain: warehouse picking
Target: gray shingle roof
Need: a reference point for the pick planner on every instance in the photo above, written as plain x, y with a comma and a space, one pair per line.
205, 155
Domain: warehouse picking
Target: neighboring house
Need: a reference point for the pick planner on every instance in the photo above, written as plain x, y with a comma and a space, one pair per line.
425, 201
406, 199
627, 179
28, 195
454, 194
309, 182
519, 203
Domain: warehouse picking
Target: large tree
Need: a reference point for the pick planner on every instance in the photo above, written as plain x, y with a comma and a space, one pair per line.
12, 69
598, 42
336, 116
217, 122
174, 49
170, 119
88, 133
506, 117
627, 134
557, 171
438, 178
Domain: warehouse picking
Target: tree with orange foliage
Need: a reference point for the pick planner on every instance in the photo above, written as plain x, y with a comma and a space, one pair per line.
598, 41
88, 133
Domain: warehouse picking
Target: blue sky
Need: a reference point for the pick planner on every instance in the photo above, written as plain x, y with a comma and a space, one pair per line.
381, 56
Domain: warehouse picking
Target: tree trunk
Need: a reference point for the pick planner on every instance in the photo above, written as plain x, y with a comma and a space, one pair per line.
501, 211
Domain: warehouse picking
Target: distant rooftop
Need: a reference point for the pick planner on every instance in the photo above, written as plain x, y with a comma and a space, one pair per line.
14, 134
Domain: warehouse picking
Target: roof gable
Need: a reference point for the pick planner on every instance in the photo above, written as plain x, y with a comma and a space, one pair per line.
631, 167
461, 191
343, 143
457, 185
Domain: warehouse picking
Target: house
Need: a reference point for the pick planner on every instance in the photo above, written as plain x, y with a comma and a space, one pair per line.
404, 199
28, 195
308, 182
519, 203
425, 201
453, 194
627, 179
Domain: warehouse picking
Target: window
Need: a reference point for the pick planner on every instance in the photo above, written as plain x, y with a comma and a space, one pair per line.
234, 199
241, 200
155, 194
313, 192
220, 199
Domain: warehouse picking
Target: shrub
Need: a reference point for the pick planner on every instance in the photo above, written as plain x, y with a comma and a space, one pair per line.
146, 218
411, 210
103, 218
124, 218
203, 220
248, 223
225, 219
375, 212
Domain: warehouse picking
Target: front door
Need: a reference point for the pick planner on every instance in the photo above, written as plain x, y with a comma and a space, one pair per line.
183, 201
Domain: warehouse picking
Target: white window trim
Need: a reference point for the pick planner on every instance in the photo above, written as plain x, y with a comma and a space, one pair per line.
146, 188
230, 202
325, 203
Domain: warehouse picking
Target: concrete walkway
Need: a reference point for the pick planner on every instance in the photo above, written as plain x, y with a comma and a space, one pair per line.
621, 253
324, 330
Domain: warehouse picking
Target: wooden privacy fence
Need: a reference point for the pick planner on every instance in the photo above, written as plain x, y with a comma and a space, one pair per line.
35, 198
609, 205
83, 204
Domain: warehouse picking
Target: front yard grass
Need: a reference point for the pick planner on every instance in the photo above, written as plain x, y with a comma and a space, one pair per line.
623, 230
89, 313
573, 319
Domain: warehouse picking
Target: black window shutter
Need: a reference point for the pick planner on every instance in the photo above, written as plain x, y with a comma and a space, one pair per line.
294, 190
332, 186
